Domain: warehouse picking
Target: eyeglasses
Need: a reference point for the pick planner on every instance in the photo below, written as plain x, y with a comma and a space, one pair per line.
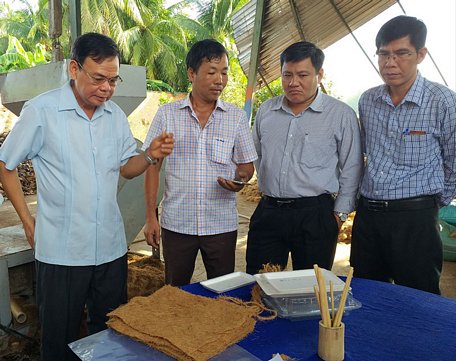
395, 55
99, 79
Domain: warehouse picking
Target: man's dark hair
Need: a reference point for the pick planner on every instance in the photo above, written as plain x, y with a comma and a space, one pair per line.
303, 50
400, 27
96, 46
205, 49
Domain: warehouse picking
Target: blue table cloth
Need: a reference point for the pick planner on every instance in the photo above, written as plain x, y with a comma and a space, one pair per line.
394, 323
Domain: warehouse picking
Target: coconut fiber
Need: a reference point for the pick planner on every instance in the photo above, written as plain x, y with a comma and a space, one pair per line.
183, 325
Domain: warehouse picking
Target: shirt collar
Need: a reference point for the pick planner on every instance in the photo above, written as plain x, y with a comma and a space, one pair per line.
414, 95
68, 101
220, 104
316, 105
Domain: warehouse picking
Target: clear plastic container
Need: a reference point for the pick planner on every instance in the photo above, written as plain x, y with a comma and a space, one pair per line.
299, 307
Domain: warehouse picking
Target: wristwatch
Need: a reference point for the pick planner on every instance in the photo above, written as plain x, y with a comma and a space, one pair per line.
342, 216
149, 159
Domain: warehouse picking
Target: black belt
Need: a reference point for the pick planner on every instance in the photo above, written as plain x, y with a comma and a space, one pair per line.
406, 204
296, 202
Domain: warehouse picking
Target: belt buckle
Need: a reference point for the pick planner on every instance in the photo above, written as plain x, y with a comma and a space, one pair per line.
281, 203
377, 206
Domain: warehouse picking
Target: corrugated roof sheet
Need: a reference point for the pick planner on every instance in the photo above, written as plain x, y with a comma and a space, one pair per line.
289, 21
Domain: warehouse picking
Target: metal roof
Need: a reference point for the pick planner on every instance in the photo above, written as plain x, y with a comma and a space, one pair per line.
322, 22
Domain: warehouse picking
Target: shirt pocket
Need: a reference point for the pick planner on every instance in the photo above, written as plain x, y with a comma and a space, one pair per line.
221, 150
109, 156
414, 149
315, 150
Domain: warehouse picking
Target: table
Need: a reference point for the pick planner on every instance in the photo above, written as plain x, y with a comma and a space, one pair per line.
14, 251
394, 323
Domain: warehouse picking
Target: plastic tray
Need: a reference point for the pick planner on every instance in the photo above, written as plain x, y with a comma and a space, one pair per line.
306, 307
295, 283
228, 282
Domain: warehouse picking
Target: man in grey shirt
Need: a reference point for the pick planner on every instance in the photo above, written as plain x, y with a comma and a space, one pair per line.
309, 166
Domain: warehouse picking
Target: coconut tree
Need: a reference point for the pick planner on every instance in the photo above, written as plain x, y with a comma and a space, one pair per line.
145, 32
26, 23
213, 20
30, 25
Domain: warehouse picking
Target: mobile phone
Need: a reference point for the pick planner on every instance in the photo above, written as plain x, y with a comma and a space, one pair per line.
239, 182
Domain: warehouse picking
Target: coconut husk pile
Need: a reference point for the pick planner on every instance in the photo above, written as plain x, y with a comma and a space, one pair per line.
345, 234
25, 172
251, 192
145, 275
183, 325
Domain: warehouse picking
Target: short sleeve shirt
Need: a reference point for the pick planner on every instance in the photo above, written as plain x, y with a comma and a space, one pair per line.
77, 163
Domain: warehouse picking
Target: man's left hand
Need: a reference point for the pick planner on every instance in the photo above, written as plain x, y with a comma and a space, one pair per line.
231, 186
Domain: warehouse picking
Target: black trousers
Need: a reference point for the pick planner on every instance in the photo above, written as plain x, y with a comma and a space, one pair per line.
400, 246
62, 294
307, 228
180, 251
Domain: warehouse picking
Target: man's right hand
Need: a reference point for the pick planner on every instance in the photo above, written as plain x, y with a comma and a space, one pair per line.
29, 229
161, 146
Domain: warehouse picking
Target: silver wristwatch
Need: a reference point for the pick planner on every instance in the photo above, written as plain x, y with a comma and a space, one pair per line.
149, 159
342, 216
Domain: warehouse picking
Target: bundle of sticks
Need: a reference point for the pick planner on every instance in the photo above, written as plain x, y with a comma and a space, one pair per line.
332, 319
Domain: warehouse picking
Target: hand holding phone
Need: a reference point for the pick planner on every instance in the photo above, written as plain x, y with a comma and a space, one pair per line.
239, 182
234, 185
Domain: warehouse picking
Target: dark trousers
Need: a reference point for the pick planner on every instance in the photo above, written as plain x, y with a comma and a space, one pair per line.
180, 251
400, 246
308, 229
62, 294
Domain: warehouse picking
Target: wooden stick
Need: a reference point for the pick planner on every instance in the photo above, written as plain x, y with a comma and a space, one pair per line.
323, 297
343, 299
317, 296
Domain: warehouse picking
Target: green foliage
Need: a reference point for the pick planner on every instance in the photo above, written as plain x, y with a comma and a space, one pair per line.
16, 57
264, 94
165, 98
30, 26
234, 92
158, 85
146, 33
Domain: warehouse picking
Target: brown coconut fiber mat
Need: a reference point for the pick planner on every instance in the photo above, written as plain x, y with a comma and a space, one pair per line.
183, 325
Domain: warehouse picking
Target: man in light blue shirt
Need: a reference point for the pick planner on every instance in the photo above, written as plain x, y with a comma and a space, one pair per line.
79, 141
409, 128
